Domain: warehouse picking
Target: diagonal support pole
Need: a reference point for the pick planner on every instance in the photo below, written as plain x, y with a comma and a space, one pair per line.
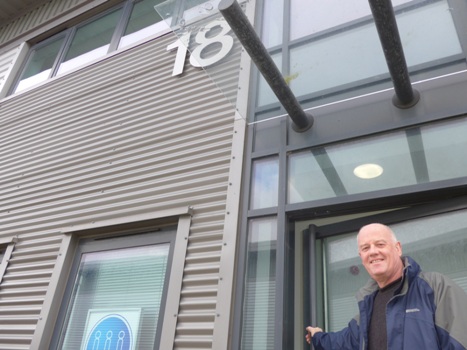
385, 21
247, 36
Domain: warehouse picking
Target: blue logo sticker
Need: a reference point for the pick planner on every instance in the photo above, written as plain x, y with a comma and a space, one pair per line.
112, 332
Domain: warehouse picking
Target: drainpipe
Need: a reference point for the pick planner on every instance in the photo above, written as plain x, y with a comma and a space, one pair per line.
247, 36
385, 21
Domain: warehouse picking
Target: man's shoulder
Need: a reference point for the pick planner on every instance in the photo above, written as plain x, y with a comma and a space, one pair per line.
434, 278
431, 277
433, 274
440, 283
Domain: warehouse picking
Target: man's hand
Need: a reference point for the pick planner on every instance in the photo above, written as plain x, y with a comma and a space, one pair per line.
311, 332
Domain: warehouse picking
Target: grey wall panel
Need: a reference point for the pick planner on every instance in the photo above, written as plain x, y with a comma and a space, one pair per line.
7, 59
118, 138
39, 16
11, 9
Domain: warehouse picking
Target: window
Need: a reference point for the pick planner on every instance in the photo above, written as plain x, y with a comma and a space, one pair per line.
323, 272
417, 155
142, 23
77, 46
116, 292
6, 248
39, 65
265, 181
259, 309
330, 50
90, 41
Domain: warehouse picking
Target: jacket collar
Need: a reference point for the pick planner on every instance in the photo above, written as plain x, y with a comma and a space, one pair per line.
411, 270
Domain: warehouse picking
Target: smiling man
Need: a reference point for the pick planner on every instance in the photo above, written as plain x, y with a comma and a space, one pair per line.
380, 253
401, 307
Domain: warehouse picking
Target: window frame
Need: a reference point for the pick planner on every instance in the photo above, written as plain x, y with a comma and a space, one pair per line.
70, 35
8, 244
314, 298
126, 8
112, 243
325, 97
46, 336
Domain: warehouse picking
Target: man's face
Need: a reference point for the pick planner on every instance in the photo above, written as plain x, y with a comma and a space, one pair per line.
380, 254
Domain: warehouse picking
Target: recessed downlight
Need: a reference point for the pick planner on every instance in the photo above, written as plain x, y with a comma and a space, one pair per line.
368, 171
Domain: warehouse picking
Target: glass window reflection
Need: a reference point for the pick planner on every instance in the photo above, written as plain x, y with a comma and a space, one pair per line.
332, 51
259, 305
422, 154
306, 179
265, 183
271, 33
445, 146
91, 41
329, 172
324, 64
311, 17
144, 22
40, 63
352, 55
105, 281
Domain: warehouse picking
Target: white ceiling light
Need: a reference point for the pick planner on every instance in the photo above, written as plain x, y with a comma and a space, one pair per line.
368, 171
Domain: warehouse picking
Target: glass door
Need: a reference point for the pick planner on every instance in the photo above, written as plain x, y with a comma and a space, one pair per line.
434, 235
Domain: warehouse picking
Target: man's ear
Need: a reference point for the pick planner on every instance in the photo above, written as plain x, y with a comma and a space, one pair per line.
399, 248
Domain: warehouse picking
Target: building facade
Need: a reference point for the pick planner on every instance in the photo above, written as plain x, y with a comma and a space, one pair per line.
156, 195
104, 149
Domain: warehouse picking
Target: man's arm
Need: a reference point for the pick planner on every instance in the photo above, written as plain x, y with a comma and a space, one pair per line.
346, 339
311, 332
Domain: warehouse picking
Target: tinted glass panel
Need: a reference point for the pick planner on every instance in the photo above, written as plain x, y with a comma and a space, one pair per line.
125, 283
271, 32
91, 41
259, 308
40, 63
445, 149
351, 168
330, 50
311, 17
85, 43
418, 155
353, 55
144, 21
265, 183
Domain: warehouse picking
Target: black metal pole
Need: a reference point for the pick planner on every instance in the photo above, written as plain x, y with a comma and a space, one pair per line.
245, 33
385, 21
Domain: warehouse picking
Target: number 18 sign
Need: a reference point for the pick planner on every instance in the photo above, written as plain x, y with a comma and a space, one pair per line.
111, 330
222, 39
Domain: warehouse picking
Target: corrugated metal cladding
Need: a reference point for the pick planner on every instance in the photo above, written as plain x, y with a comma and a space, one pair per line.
10, 9
118, 138
6, 60
37, 17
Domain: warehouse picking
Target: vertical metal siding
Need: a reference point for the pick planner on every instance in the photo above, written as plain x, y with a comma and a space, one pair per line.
118, 138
